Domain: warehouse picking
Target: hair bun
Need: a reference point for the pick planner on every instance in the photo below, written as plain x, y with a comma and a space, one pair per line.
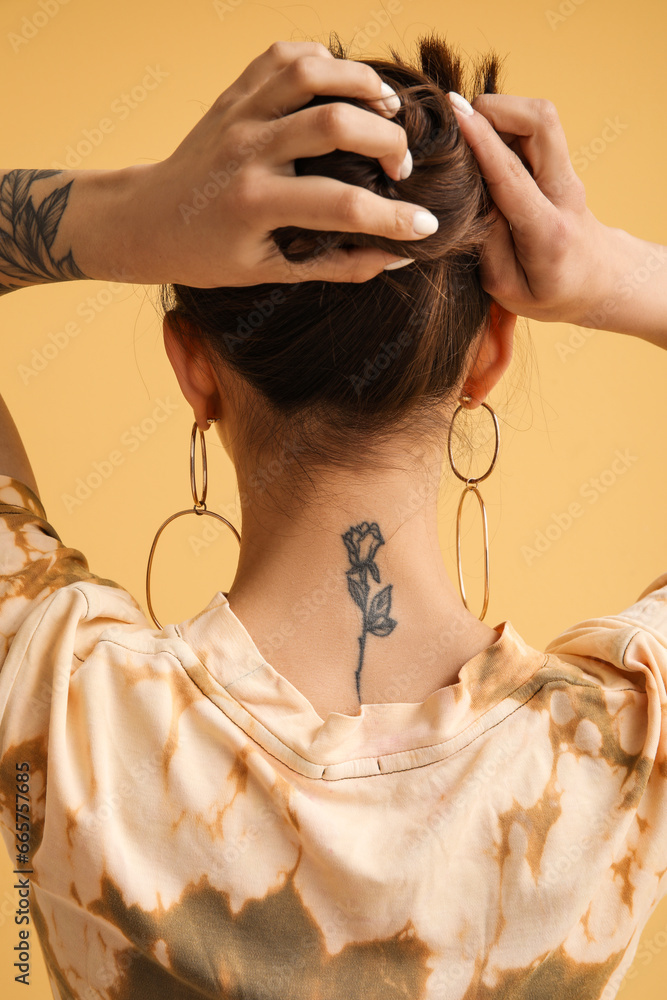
329, 366
445, 178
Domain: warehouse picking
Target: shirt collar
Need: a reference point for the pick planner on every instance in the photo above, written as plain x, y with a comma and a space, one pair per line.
236, 674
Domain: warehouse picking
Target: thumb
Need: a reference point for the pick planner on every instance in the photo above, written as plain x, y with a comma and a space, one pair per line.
498, 265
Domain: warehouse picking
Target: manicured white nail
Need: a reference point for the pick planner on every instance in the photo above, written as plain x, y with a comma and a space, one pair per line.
460, 103
390, 99
406, 166
401, 262
424, 223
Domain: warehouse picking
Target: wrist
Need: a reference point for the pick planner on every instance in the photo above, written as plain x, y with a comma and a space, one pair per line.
602, 276
106, 208
631, 294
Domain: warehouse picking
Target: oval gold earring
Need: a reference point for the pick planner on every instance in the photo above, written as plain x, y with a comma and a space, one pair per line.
199, 507
471, 487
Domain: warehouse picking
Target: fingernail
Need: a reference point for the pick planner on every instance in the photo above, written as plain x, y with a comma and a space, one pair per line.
460, 103
424, 223
390, 99
401, 262
406, 166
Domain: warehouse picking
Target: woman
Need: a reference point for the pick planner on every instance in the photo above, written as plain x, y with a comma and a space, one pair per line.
199, 810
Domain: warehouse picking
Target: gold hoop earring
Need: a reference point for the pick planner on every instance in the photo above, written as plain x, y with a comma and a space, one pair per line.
471, 487
199, 508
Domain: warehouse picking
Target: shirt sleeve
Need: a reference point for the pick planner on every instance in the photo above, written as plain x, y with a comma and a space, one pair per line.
53, 611
624, 655
650, 608
34, 562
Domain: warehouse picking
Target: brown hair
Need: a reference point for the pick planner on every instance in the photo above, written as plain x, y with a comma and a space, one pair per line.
333, 367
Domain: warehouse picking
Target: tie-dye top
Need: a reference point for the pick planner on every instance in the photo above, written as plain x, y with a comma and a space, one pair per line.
198, 831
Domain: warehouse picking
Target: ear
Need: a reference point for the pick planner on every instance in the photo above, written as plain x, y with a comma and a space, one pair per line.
195, 375
494, 354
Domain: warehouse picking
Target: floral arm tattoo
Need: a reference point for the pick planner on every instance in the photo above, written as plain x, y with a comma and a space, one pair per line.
27, 233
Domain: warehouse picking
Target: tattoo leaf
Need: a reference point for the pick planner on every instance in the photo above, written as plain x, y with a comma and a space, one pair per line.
50, 212
12, 262
5, 199
25, 252
15, 188
381, 603
358, 592
69, 268
29, 239
382, 626
9, 262
39, 174
375, 572
13, 193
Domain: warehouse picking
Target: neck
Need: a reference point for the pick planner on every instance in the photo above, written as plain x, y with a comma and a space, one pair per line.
343, 595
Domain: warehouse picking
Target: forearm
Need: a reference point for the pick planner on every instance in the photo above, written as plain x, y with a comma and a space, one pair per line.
633, 298
64, 225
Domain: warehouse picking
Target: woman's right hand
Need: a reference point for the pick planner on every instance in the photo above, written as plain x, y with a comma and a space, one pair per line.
547, 257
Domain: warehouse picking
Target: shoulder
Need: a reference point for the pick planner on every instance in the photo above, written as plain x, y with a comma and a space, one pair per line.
15, 494
618, 638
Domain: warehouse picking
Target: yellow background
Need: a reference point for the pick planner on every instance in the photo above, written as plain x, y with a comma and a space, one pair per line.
562, 417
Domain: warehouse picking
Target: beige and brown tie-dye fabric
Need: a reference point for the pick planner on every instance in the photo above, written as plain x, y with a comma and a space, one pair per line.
200, 832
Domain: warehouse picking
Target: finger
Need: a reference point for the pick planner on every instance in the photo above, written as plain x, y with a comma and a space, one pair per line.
501, 273
514, 143
314, 202
354, 264
514, 191
535, 124
322, 129
307, 76
275, 58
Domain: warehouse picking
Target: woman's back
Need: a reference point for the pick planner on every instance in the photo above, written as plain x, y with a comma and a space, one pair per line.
201, 830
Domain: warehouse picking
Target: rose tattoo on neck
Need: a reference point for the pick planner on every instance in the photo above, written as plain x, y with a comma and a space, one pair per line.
362, 542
